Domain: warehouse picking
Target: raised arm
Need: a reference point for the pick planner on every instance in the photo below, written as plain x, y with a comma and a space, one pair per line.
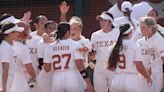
64, 10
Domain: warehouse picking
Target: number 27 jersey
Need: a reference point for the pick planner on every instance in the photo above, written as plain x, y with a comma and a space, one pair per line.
62, 54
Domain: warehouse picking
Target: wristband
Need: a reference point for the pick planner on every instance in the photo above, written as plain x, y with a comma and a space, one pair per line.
84, 74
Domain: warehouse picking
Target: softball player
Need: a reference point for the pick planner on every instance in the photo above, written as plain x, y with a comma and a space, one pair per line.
39, 25
126, 61
85, 45
155, 51
32, 44
9, 32
151, 13
44, 78
154, 14
67, 63
24, 70
36, 37
75, 34
126, 8
101, 41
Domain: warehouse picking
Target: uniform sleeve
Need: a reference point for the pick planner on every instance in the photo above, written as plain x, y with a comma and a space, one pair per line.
6, 55
25, 56
137, 54
93, 41
47, 55
41, 49
88, 44
160, 47
77, 55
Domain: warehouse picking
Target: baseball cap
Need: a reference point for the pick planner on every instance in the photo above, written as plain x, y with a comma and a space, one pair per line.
11, 19
126, 6
15, 28
105, 16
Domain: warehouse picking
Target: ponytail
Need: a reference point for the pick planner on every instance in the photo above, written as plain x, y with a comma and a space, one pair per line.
113, 59
129, 17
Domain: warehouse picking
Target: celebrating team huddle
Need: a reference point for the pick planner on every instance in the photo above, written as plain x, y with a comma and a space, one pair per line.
123, 56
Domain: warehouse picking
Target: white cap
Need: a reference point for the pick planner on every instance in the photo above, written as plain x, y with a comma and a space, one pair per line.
126, 6
129, 30
11, 19
15, 28
105, 16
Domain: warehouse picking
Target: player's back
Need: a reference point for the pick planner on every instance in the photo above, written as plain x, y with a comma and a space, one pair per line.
127, 57
64, 54
126, 72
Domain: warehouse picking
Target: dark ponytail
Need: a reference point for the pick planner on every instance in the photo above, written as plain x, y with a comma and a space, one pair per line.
129, 18
114, 56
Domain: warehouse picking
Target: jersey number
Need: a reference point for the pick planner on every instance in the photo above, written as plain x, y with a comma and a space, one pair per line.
58, 60
121, 61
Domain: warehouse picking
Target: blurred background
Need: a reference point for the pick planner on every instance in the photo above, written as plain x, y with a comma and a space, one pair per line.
86, 9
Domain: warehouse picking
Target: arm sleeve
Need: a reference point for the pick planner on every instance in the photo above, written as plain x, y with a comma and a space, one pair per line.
88, 44
77, 55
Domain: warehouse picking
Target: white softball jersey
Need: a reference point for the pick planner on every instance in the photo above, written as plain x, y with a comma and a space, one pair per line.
41, 49
32, 48
155, 50
101, 41
144, 52
63, 55
21, 77
35, 35
126, 77
84, 42
7, 54
44, 78
131, 53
